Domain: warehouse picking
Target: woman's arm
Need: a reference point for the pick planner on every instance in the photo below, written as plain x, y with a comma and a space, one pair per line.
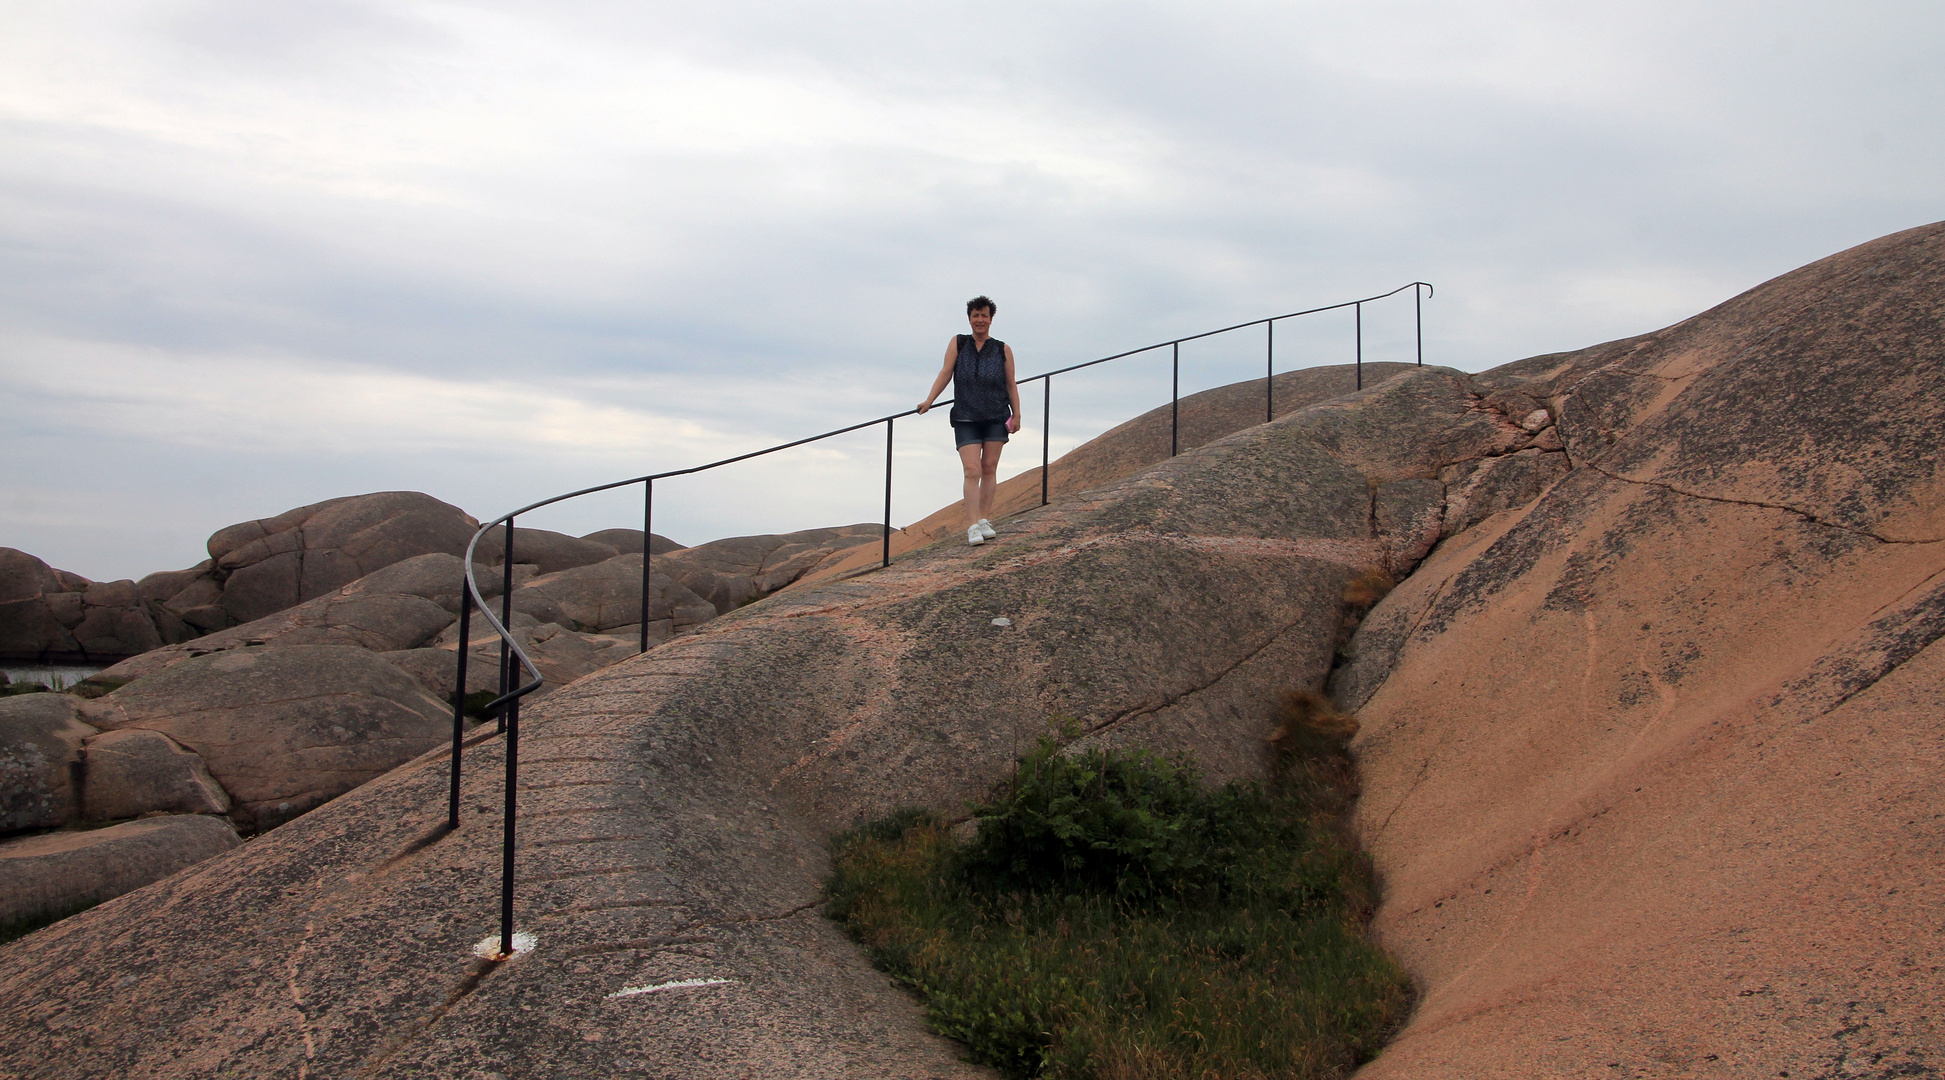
1012, 392
945, 373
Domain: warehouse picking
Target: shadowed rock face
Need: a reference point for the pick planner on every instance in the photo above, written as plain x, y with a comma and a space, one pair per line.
674, 806
41, 736
1652, 764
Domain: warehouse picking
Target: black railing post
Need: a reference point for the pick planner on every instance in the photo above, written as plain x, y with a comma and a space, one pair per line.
1360, 344
1418, 321
512, 715
648, 555
1046, 430
459, 698
506, 620
1269, 370
1175, 398
888, 426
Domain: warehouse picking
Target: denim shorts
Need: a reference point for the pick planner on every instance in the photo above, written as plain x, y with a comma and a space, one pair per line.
968, 432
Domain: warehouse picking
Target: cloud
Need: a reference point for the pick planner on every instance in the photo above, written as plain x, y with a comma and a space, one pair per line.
346, 237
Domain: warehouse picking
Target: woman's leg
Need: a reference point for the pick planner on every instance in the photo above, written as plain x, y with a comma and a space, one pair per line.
969, 460
989, 467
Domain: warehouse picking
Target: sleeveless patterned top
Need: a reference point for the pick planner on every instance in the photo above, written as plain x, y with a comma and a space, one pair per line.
979, 382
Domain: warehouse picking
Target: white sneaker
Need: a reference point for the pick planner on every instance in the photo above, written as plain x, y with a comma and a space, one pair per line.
986, 529
974, 536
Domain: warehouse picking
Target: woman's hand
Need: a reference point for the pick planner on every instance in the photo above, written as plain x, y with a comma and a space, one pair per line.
922, 406
1013, 424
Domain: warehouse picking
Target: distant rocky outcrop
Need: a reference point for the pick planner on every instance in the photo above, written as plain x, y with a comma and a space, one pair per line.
266, 566
256, 568
49, 614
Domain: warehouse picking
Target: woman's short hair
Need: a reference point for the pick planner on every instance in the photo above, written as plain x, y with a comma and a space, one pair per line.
986, 302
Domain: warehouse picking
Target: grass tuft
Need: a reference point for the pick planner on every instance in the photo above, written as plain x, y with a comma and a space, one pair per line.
1112, 918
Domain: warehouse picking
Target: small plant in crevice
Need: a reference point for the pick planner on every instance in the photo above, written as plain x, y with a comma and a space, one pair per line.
1112, 917
476, 702
1361, 594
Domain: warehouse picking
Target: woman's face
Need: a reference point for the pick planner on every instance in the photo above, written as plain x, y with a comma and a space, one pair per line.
981, 320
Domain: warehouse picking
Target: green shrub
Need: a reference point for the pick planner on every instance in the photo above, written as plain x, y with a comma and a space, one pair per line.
1112, 918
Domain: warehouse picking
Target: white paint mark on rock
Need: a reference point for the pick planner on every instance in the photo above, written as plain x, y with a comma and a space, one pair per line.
1002, 621
489, 947
679, 984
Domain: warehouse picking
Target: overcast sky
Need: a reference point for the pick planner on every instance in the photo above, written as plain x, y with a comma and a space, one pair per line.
255, 255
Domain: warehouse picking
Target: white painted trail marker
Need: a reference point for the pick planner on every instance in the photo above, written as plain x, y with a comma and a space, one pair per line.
679, 984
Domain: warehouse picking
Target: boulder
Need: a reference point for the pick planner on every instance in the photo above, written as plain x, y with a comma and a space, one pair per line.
166, 585
47, 877
629, 541
562, 655
32, 625
115, 621
438, 578
608, 594
283, 729
41, 736
438, 669
382, 621
134, 772
552, 552
276, 563
732, 572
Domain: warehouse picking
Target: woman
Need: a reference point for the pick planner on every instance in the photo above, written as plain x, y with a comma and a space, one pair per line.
985, 408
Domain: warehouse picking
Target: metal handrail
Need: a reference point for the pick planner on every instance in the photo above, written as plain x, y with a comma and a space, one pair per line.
506, 706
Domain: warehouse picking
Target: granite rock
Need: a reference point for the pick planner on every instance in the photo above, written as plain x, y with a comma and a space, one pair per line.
40, 747
47, 876
135, 771
283, 729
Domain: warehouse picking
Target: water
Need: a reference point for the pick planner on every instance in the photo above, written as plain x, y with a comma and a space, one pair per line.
58, 676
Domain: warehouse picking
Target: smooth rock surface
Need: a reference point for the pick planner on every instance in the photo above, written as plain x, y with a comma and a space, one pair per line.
551, 552
629, 541
134, 772
52, 874
1654, 774
284, 729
